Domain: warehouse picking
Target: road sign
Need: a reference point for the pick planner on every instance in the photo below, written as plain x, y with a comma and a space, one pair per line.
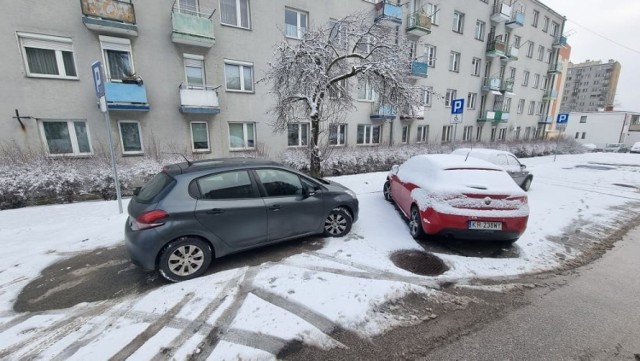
457, 106
456, 118
96, 70
563, 118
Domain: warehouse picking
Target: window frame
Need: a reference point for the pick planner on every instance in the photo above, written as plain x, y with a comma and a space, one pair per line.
450, 95
422, 134
430, 55
300, 130
405, 134
73, 137
241, 66
192, 59
458, 22
245, 139
427, 96
339, 132
193, 145
238, 14
122, 146
472, 98
520, 109
525, 77
454, 61
110, 43
467, 133
300, 31
476, 66
480, 30
56, 44
367, 136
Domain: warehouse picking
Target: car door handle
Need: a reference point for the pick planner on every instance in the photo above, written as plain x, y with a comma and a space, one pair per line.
216, 211
274, 208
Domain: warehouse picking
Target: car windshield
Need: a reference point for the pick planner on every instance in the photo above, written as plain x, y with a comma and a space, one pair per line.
489, 178
153, 187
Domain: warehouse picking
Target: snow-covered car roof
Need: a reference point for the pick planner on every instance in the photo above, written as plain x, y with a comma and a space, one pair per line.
480, 151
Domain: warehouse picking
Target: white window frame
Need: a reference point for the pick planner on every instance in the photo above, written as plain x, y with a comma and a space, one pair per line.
427, 96
541, 52
530, 49
73, 137
454, 61
340, 130
130, 152
536, 16
539, 107
545, 24
467, 133
47, 42
369, 92
241, 66
300, 30
368, 134
447, 133
422, 134
476, 66
301, 141
520, 109
238, 14
502, 134
186, 10
525, 78
245, 126
430, 55
115, 44
555, 27
471, 100
406, 133
480, 30
458, 22
532, 107
536, 81
434, 13
506, 105
193, 143
450, 95
194, 61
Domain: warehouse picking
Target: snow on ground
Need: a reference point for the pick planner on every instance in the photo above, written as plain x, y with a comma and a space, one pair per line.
251, 312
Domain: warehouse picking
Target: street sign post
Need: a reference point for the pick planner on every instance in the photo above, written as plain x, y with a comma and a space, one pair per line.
561, 124
96, 70
457, 107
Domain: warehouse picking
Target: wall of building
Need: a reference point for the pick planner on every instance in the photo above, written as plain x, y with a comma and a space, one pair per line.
601, 128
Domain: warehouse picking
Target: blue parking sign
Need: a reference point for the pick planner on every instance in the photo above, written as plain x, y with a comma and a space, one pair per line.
457, 106
563, 118
96, 70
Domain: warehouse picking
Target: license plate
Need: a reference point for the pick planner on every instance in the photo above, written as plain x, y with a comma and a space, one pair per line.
492, 226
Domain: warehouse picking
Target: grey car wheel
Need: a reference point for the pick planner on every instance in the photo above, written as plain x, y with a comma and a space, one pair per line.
184, 259
386, 190
526, 184
338, 223
415, 224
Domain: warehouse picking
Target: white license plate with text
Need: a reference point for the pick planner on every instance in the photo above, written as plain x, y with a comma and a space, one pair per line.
492, 226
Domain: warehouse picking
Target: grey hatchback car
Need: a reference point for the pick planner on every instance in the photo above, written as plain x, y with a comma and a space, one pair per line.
193, 212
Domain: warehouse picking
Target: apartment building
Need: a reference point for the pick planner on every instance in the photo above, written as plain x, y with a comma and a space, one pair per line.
184, 76
591, 86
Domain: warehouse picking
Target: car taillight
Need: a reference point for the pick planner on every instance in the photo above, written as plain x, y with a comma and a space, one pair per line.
150, 219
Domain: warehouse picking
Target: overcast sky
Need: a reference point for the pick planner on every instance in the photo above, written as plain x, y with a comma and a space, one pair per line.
603, 30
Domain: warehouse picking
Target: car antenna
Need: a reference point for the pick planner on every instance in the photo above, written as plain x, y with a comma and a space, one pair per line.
189, 163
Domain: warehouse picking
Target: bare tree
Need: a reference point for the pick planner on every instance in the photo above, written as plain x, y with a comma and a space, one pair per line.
309, 77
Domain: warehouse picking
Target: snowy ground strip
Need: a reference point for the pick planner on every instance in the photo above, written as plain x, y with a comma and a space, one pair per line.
252, 312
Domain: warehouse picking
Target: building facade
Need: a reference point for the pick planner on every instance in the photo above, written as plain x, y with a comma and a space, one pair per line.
601, 128
183, 76
591, 86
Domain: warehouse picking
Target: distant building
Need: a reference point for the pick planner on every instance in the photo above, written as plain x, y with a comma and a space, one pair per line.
600, 128
590, 86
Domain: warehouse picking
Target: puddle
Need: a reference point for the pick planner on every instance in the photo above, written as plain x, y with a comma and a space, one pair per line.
419, 262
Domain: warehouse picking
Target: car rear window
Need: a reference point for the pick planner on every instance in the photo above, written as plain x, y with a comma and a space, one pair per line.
153, 187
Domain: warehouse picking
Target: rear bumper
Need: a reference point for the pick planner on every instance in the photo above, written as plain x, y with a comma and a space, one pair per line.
142, 246
457, 226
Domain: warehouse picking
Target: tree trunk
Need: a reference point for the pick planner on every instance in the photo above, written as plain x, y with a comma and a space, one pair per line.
314, 153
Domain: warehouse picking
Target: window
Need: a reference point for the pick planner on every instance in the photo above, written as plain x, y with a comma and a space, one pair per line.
449, 97
298, 134
280, 183
545, 82
454, 61
478, 134
235, 13
295, 23
539, 108
516, 41
547, 58
48, 56
188, 7
536, 81
530, 49
525, 78
405, 134
476, 64
130, 137
540, 52
65, 137
532, 107
584, 135
447, 130
555, 28
194, 70
480, 29
517, 135
117, 57
337, 134
365, 91
368, 134
577, 135
200, 137
458, 22
471, 100
434, 12
422, 134
527, 133
520, 106
239, 76
506, 105
242, 136
430, 55
467, 133
536, 16
493, 134
583, 119
502, 134
427, 96
228, 185
545, 24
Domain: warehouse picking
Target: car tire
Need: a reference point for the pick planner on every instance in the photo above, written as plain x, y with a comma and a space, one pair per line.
415, 224
185, 258
386, 190
338, 223
526, 184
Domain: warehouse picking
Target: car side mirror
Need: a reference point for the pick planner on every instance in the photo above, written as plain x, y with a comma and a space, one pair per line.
136, 191
310, 192
523, 166
394, 169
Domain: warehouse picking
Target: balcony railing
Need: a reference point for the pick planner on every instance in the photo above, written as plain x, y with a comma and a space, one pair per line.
555, 68
388, 12
419, 69
416, 112
517, 20
418, 23
496, 48
501, 12
382, 111
495, 116
550, 95
512, 52
126, 96
507, 86
545, 119
199, 100
192, 28
491, 84
111, 16
560, 41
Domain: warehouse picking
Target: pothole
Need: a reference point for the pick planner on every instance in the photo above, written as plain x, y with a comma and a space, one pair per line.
419, 262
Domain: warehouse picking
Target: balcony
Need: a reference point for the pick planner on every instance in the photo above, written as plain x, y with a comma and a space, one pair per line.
388, 12
507, 87
419, 69
550, 95
495, 116
545, 119
492, 85
126, 96
560, 41
501, 12
555, 68
382, 112
517, 20
191, 28
512, 53
496, 48
417, 112
634, 127
109, 16
418, 24
199, 100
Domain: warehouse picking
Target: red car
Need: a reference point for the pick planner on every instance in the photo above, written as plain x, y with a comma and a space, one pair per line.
457, 196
